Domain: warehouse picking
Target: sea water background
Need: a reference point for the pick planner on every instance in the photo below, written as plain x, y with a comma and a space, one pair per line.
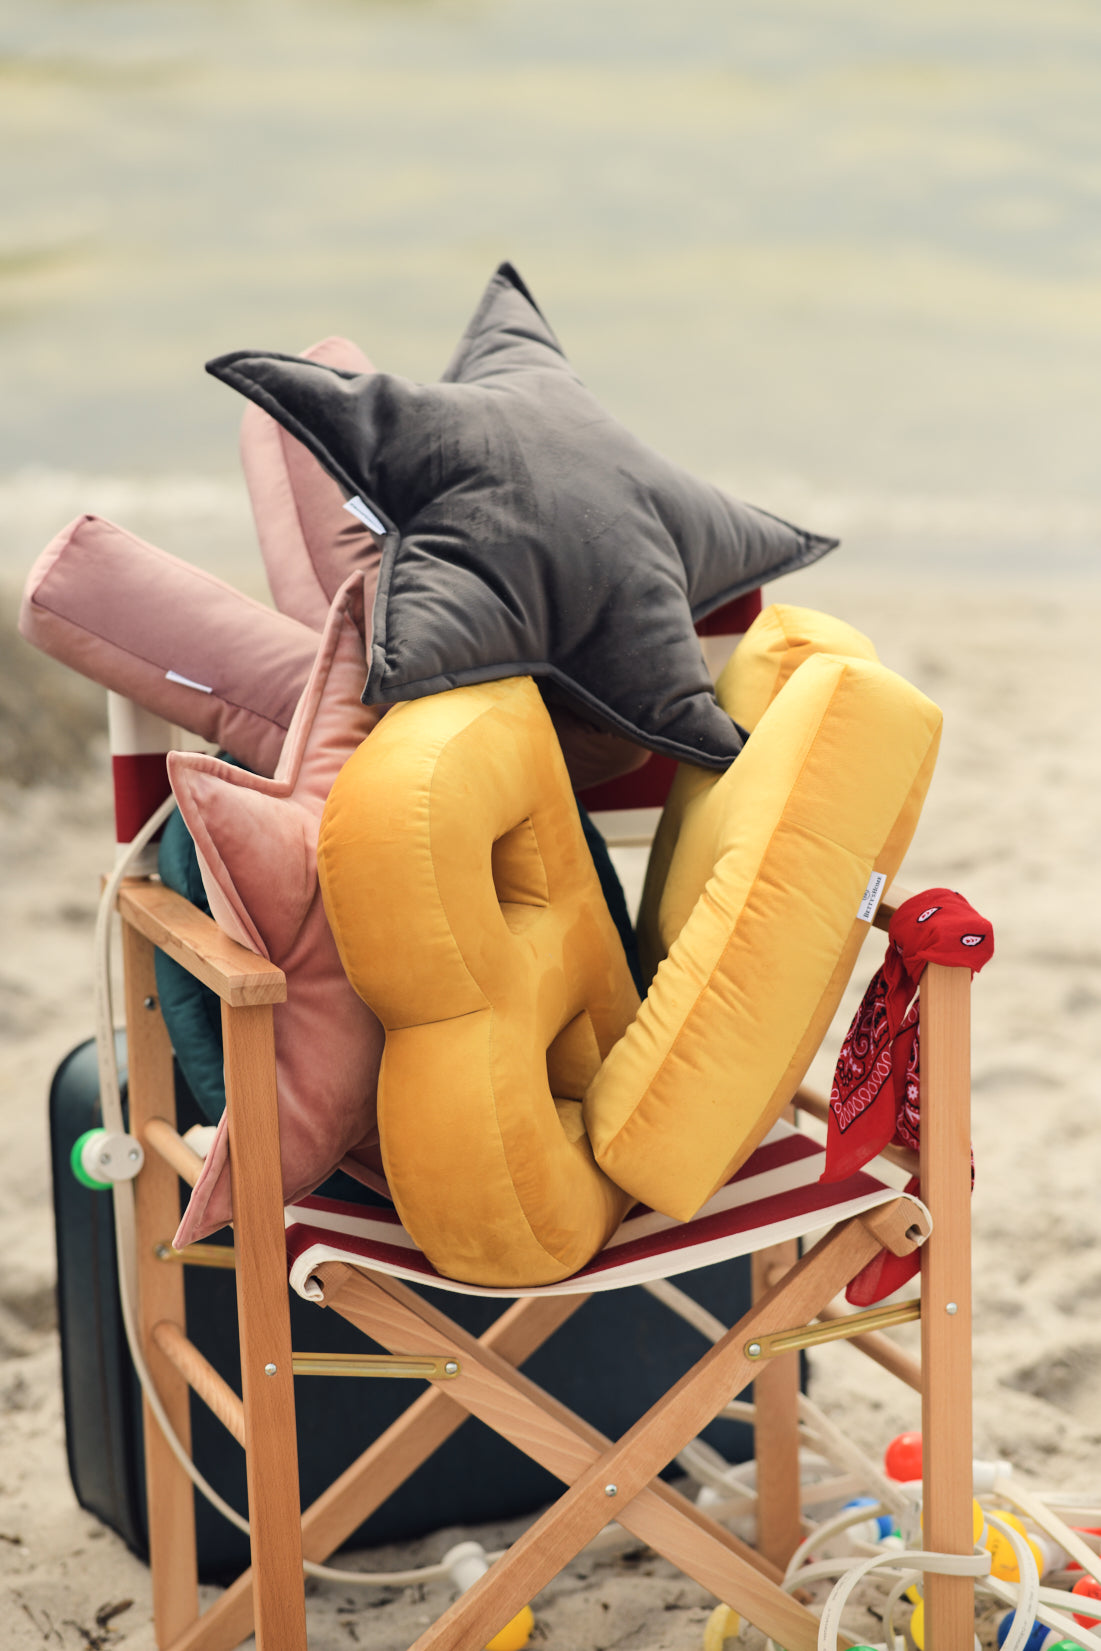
841, 256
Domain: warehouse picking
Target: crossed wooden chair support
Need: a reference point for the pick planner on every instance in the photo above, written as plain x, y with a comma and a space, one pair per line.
603, 1479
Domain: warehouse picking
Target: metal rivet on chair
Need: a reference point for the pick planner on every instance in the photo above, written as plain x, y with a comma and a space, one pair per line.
611, 1490
149, 1003
753, 1350
451, 1368
951, 1307
269, 1370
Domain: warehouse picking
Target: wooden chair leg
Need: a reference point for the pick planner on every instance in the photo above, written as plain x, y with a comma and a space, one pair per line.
267, 1381
383, 1466
607, 1480
170, 1498
946, 1298
776, 1427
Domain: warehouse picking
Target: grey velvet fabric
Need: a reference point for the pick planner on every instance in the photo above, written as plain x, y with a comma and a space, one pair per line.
528, 533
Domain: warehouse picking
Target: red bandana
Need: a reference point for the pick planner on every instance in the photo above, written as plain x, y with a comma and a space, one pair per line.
875, 1094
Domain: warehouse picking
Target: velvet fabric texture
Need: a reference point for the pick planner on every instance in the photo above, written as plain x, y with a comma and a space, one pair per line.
192, 1012
778, 641
138, 620
527, 532
781, 848
469, 916
309, 542
257, 845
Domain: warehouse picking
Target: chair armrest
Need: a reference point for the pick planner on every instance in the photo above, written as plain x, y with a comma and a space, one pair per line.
894, 896
240, 978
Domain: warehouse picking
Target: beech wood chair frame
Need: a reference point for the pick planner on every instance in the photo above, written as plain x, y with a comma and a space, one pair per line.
602, 1479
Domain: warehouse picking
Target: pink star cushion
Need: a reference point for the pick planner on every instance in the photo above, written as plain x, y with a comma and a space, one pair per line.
257, 845
309, 542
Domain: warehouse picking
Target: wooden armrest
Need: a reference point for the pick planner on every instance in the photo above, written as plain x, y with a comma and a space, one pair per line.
194, 940
894, 896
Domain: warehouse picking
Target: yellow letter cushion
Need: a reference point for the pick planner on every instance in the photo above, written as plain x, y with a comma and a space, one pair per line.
780, 639
469, 917
827, 790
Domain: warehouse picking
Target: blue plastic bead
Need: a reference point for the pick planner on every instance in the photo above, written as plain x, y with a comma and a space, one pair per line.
1036, 1641
884, 1524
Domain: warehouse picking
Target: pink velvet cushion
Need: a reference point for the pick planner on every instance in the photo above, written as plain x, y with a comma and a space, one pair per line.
309, 542
257, 845
137, 620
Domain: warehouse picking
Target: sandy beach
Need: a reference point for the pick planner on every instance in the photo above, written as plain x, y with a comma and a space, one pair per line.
1010, 822
839, 258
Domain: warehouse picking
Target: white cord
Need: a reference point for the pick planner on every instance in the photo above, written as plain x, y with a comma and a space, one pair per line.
1028, 1598
125, 1226
829, 1624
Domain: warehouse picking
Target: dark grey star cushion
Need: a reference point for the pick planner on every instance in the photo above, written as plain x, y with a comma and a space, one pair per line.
527, 532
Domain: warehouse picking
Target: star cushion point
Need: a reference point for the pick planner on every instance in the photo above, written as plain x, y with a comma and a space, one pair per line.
528, 532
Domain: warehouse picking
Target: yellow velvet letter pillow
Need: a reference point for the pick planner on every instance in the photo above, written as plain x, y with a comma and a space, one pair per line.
468, 915
779, 640
769, 869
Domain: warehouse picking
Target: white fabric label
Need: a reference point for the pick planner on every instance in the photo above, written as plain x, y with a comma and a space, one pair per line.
186, 682
365, 514
869, 904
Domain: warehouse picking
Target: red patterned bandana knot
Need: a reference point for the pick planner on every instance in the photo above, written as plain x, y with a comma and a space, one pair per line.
875, 1094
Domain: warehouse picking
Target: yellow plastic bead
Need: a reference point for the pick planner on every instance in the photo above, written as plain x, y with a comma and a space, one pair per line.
917, 1625
723, 1624
515, 1634
1003, 1561
978, 1522
1010, 1519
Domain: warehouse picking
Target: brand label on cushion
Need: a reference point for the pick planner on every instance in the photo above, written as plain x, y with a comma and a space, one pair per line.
870, 902
186, 682
364, 513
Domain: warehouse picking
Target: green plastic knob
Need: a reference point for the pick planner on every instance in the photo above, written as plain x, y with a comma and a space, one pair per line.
76, 1161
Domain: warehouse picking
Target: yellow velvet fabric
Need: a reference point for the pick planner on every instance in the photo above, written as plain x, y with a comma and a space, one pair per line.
468, 914
768, 870
780, 639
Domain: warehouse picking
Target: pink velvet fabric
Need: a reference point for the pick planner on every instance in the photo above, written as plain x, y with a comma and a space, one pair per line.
124, 613
593, 755
309, 542
257, 845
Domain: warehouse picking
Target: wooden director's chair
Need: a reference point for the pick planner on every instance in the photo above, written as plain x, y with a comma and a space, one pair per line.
359, 1272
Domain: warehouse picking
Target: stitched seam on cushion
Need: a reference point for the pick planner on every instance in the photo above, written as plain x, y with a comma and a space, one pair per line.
209, 848
493, 1012
154, 664
285, 436
525, 1217
424, 687
254, 391
706, 985
668, 1056
436, 878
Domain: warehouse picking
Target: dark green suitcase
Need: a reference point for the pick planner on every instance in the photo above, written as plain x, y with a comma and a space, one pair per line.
610, 1362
